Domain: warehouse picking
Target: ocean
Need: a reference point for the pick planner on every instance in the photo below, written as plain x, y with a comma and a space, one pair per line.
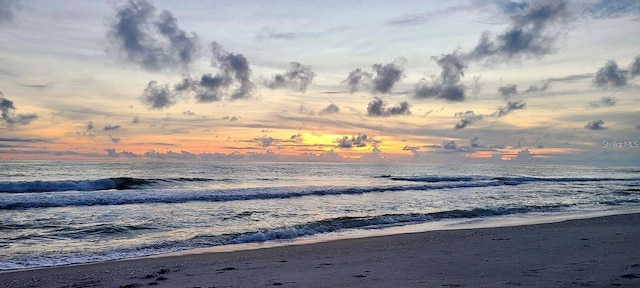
56, 213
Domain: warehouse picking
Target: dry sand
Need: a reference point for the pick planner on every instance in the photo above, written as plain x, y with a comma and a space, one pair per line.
597, 252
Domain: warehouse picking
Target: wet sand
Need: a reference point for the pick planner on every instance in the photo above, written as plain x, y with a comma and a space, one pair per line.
596, 252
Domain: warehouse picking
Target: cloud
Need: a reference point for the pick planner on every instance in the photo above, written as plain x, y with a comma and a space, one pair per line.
474, 142
606, 101
527, 36
449, 145
508, 90
610, 75
377, 108
380, 81
413, 149
358, 80
297, 78
112, 153
265, 141
114, 139
613, 8
157, 97
524, 155
447, 85
188, 113
539, 87
232, 82
330, 109
135, 120
9, 116
90, 126
466, 118
385, 76
595, 125
634, 68
155, 42
233, 66
355, 141
297, 138
111, 127
613, 76
424, 17
22, 140
270, 32
8, 9
509, 107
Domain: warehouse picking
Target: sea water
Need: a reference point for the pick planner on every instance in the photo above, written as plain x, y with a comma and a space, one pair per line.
64, 212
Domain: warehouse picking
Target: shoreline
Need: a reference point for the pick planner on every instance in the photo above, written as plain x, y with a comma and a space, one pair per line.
599, 252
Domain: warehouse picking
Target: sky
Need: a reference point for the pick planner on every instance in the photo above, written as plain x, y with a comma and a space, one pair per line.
553, 82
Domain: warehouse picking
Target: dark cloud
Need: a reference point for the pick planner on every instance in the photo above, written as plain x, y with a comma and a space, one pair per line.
469, 117
413, 149
380, 81
8, 8
606, 101
9, 116
157, 96
610, 75
233, 66
572, 78
112, 127
155, 42
355, 141
539, 87
330, 109
508, 90
447, 85
22, 140
297, 138
112, 153
509, 107
527, 36
232, 82
474, 142
358, 80
265, 141
114, 139
378, 108
38, 86
297, 78
135, 120
90, 126
449, 145
385, 76
466, 118
595, 125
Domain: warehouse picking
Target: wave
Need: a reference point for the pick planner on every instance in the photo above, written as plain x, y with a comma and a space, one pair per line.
46, 200
380, 221
507, 180
262, 235
118, 183
436, 178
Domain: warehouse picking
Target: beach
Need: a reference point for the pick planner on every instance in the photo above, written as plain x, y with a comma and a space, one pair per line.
594, 252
